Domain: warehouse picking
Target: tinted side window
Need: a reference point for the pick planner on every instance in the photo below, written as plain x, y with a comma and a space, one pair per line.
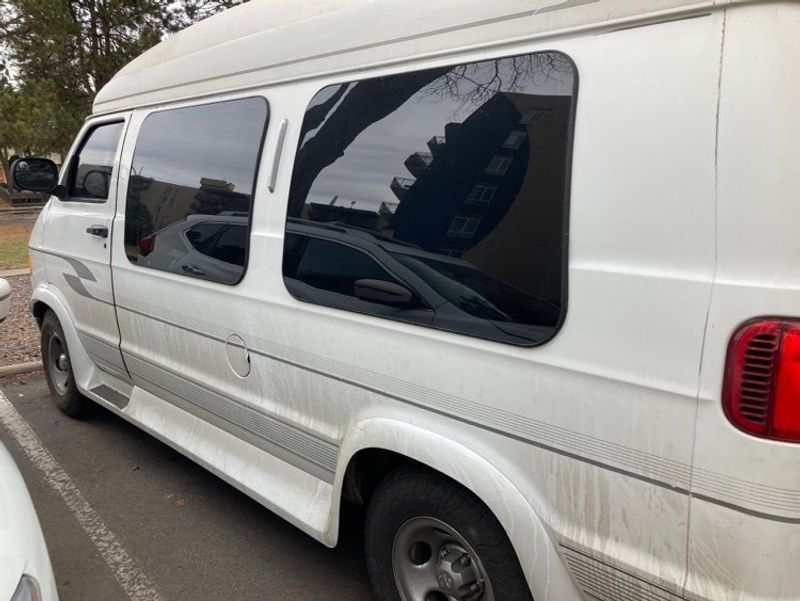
455, 181
191, 189
94, 163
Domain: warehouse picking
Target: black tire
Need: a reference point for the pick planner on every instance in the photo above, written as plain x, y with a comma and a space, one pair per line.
60, 378
407, 498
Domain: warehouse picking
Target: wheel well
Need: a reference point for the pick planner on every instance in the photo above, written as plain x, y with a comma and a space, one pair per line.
39, 309
368, 467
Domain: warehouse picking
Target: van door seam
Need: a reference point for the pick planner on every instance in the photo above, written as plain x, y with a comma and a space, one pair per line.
112, 231
692, 476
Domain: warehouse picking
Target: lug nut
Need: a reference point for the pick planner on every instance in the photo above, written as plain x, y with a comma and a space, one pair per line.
465, 560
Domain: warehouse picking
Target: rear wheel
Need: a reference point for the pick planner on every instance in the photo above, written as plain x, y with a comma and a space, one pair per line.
58, 370
429, 539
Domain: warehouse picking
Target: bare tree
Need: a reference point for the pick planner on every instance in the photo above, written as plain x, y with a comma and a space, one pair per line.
365, 103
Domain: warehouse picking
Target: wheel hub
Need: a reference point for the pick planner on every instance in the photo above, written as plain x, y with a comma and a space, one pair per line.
434, 562
57, 364
457, 575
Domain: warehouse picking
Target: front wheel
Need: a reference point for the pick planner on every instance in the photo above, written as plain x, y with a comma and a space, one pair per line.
58, 370
429, 539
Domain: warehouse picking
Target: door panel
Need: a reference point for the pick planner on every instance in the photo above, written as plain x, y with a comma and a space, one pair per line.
179, 273
79, 234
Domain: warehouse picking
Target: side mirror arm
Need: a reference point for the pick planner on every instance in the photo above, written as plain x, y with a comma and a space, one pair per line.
59, 192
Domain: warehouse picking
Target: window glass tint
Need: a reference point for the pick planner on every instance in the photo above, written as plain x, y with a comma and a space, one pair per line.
202, 235
229, 246
315, 266
191, 188
332, 266
94, 164
453, 182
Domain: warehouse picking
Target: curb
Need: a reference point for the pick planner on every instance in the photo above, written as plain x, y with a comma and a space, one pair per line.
18, 210
20, 368
12, 273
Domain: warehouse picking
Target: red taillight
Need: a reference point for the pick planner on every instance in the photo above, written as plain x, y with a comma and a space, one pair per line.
147, 244
761, 393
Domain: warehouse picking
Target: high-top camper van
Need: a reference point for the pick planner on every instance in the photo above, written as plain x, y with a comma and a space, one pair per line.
521, 277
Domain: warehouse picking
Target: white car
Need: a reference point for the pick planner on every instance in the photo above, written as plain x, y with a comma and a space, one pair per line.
5, 299
25, 571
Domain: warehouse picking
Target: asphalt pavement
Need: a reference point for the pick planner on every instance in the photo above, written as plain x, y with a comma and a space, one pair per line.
194, 536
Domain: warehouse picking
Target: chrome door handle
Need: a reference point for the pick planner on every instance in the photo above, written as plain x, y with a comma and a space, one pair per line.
97, 230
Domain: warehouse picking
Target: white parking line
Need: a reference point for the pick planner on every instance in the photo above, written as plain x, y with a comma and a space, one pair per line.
133, 581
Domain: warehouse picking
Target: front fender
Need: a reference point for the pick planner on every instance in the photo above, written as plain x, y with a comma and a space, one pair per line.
543, 567
82, 366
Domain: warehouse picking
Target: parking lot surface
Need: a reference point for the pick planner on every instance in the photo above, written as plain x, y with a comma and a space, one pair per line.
192, 535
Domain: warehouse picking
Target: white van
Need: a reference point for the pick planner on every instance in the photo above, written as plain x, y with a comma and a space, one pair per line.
519, 276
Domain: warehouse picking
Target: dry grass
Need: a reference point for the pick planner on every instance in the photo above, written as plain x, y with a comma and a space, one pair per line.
14, 245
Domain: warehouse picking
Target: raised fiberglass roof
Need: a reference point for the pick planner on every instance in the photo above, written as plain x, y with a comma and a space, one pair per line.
272, 41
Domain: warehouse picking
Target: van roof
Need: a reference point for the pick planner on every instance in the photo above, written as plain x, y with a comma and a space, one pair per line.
284, 40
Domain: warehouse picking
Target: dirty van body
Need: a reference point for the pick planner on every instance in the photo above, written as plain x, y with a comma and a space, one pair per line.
519, 277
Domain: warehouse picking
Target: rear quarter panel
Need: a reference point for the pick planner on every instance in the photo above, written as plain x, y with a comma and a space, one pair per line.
751, 549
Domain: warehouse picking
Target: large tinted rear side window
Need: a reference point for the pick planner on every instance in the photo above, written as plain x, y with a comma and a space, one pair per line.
454, 182
191, 188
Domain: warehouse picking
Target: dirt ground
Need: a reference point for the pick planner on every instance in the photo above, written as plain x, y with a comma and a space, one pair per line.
19, 335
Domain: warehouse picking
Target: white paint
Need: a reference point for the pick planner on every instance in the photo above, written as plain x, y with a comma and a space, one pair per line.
301, 498
136, 584
758, 247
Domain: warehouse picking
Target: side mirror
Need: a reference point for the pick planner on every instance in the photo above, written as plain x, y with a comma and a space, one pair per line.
382, 292
34, 174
